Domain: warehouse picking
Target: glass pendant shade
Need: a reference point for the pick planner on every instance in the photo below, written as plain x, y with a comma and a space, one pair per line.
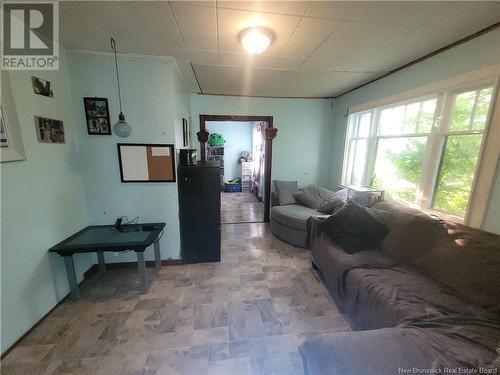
121, 128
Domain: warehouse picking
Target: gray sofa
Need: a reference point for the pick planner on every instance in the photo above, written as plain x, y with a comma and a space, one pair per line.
428, 298
289, 222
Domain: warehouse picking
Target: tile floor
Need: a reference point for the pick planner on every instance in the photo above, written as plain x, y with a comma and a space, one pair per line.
241, 208
244, 315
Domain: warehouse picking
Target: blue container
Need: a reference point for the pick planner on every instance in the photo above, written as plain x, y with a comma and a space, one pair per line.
232, 188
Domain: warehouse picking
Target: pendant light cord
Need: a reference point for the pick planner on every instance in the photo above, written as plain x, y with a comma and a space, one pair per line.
113, 46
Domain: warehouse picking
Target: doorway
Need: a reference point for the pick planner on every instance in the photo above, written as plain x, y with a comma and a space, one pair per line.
244, 151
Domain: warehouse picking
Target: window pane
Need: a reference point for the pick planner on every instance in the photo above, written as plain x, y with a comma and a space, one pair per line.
358, 162
482, 107
427, 116
456, 173
391, 120
462, 111
398, 166
364, 125
408, 119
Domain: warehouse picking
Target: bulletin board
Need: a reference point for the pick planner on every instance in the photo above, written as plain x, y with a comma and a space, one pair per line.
141, 162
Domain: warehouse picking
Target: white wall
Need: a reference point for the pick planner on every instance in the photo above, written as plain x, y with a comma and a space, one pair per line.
238, 136
42, 203
153, 100
301, 149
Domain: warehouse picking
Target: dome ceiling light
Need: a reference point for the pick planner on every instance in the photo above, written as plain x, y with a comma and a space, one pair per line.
255, 40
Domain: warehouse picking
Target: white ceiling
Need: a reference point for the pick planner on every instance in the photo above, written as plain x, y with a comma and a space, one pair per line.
320, 49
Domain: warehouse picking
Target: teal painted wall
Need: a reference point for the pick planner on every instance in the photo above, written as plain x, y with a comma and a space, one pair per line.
475, 54
153, 99
42, 202
301, 149
238, 136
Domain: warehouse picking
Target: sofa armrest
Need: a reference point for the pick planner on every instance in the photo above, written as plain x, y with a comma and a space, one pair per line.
274, 199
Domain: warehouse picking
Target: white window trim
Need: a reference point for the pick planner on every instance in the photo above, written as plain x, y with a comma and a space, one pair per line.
490, 148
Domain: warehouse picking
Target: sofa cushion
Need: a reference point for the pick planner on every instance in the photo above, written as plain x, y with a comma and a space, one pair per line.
294, 215
353, 228
386, 297
444, 342
463, 258
313, 196
285, 190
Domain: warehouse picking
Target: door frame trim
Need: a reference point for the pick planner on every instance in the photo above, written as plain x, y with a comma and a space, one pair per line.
268, 150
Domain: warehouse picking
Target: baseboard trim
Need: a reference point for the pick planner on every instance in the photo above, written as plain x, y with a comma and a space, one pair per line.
86, 275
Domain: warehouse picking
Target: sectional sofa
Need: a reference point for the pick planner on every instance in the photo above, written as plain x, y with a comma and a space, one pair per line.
427, 300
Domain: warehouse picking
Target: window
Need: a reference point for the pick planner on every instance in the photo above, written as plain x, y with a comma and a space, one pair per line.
425, 151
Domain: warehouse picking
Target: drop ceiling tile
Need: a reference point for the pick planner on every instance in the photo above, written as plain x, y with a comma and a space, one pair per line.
337, 10
316, 64
294, 8
203, 3
346, 36
198, 40
109, 15
413, 13
269, 82
378, 39
231, 22
203, 56
290, 63
243, 59
373, 11
310, 34
150, 15
194, 18
167, 38
468, 15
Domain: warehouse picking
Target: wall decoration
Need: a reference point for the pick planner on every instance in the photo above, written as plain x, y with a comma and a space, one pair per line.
11, 143
97, 116
143, 162
185, 132
49, 130
41, 87
4, 141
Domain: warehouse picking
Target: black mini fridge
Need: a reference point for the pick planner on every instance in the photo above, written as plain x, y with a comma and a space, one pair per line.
199, 212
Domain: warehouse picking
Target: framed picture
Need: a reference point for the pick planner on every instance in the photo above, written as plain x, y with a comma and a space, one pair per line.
185, 133
49, 130
11, 143
4, 141
41, 87
97, 116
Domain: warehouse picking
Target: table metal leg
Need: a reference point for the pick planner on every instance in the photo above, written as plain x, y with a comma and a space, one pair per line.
70, 272
157, 255
102, 263
141, 267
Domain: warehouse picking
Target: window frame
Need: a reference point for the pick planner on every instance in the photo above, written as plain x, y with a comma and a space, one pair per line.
435, 147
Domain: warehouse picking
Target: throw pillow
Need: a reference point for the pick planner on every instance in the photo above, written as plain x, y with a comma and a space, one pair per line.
353, 229
331, 205
383, 216
285, 190
313, 196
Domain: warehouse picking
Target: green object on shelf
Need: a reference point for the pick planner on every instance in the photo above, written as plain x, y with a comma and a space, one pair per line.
216, 139
235, 180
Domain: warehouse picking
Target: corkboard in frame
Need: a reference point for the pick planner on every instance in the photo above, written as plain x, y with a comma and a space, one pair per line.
142, 162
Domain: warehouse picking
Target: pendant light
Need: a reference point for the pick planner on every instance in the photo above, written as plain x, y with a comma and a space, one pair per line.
121, 128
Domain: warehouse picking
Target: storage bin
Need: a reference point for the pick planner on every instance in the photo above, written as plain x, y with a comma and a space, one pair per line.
232, 188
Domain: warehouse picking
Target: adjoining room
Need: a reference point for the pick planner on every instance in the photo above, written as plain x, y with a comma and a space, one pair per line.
250, 187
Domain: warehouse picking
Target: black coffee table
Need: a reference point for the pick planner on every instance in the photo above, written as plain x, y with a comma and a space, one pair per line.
101, 238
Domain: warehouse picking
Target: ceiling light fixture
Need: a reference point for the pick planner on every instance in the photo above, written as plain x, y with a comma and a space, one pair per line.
121, 128
255, 40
